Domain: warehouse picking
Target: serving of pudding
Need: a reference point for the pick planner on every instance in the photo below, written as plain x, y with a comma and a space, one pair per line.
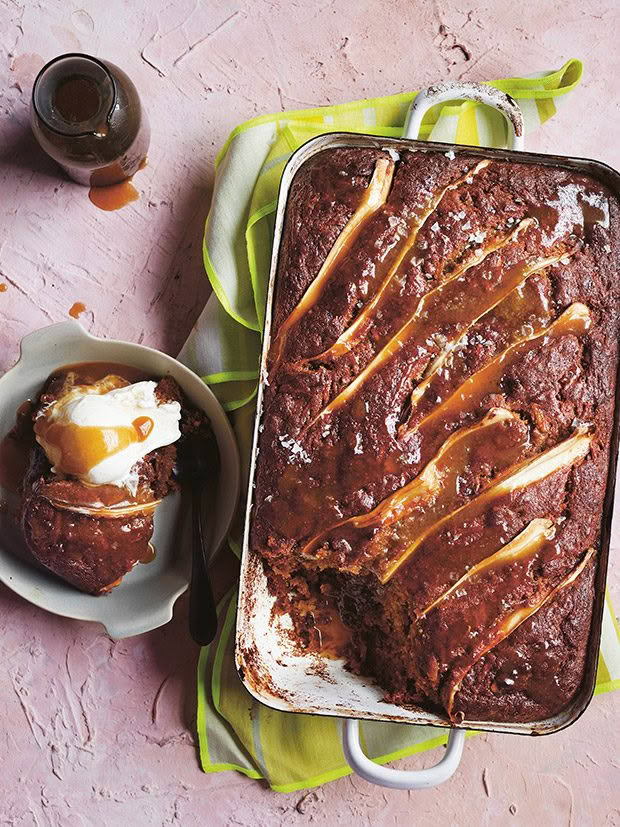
102, 459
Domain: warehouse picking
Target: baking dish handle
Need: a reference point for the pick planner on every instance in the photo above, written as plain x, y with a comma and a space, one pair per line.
480, 92
401, 779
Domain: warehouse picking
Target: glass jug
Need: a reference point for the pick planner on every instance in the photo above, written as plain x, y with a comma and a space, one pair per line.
86, 114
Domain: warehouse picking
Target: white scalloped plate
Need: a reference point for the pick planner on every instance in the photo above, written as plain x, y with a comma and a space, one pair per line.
145, 598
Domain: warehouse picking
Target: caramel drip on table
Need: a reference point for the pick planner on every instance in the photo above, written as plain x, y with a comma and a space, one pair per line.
374, 197
77, 308
498, 442
458, 652
114, 196
443, 315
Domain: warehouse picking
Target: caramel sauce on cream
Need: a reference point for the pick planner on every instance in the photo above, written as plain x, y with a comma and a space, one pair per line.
75, 449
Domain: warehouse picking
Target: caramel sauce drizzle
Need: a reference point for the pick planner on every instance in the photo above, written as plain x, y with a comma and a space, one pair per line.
468, 396
143, 426
524, 546
419, 534
76, 449
497, 628
109, 512
498, 441
524, 312
445, 314
353, 334
374, 197
431, 570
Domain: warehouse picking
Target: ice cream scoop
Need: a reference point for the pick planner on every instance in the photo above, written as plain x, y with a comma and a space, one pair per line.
98, 434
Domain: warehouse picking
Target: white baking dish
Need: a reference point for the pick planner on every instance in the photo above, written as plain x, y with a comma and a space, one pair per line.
272, 669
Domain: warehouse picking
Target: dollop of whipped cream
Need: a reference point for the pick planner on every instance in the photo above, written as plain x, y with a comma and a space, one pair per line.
98, 435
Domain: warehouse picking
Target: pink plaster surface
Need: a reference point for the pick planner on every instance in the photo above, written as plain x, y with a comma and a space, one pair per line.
100, 733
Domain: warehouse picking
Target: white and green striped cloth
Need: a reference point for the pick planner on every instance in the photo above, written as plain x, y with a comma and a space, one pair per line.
235, 732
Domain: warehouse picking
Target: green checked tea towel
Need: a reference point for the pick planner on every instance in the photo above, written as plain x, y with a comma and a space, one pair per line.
235, 732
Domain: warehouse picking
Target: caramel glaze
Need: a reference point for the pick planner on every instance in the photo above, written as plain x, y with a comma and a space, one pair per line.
505, 295
457, 473
416, 444
369, 209
524, 312
442, 316
327, 189
473, 533
372, 252
470, 621
536, 669
341, 441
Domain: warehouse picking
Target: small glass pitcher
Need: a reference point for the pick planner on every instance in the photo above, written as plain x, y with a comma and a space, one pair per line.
86, 115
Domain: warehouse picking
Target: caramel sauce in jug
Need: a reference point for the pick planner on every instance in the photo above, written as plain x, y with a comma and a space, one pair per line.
87, 115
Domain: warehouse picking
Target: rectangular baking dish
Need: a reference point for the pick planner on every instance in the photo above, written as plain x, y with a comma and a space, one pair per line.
267, 662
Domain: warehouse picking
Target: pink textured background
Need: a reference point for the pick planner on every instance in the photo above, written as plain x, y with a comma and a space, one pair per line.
102, 733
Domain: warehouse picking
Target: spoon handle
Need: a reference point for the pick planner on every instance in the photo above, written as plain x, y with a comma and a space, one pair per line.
202, 611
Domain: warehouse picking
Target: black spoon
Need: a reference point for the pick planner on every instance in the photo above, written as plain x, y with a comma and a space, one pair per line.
197, 469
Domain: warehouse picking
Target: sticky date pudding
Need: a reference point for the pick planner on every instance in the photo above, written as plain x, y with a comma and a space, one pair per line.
436, 424
102, 459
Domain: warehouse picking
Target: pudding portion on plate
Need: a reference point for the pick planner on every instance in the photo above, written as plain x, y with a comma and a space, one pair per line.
103, 459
